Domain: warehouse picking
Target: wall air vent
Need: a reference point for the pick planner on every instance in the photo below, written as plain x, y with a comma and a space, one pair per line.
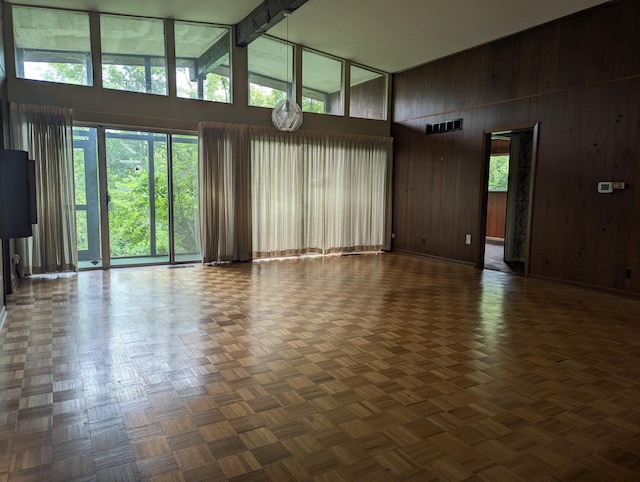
448, 126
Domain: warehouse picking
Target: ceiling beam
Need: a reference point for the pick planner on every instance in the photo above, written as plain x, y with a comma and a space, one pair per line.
211, 57
263, 17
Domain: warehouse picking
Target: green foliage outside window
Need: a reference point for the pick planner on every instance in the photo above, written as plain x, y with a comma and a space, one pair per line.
58, 72
216, 87
261, 96
185, 197
81, 197
312, 105
266, 97
132, 78
129, 220
499, 173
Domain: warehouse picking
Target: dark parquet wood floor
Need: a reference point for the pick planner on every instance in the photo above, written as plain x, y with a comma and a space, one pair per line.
377, 367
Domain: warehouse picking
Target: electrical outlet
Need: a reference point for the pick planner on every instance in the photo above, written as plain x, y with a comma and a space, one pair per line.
467, 239
627, 273
393, 235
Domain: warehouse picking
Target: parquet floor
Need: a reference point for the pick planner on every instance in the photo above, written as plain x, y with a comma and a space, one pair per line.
379, 367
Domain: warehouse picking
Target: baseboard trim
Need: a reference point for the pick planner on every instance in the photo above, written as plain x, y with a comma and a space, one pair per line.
432, 256
601, 289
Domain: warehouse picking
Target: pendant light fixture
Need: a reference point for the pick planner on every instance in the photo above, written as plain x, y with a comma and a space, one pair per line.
287, 114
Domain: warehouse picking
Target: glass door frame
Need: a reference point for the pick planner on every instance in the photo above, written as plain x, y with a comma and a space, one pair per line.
154, 164
103, 187
91, 205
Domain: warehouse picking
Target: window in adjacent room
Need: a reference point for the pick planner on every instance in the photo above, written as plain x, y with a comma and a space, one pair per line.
269, 80
64, 57
368, 94
499, 172
321, 84
133, 54
202, 61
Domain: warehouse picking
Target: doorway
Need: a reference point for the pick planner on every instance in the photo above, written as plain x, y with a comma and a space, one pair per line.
507, 195
136, 197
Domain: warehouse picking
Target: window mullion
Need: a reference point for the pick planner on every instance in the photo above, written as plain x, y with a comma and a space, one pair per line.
96, 49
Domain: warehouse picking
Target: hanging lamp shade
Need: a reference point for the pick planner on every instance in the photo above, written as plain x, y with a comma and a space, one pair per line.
287, 115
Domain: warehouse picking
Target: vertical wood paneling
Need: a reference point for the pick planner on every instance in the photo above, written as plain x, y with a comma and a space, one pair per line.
627, 55
416, 192
548, 45
402, 148
501, 63
368, 99
632, 253
472, 178
600, 60
441, 77
433, 197
584, 143
551, 112
565, 54
476, 79
579, 78
455, 83
453, 187
624, 166
448, 214
527, 62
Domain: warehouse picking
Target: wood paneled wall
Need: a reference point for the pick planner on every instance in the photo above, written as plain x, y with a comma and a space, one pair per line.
579, 78
369, 99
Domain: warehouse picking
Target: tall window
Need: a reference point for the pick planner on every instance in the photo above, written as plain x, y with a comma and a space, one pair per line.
64, 56
269, 78
133, 54
321, 84
202, 61
368, 94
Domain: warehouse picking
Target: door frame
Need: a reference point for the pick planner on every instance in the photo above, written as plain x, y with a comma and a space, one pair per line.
92, 198
484, 192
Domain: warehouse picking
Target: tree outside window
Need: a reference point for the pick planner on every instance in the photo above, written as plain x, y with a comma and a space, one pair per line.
499, 172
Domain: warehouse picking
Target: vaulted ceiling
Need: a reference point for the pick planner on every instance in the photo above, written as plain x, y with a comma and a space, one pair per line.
387, 35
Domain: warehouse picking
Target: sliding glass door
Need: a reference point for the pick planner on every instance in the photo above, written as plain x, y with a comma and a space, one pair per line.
138, 197
186, 227
150, 200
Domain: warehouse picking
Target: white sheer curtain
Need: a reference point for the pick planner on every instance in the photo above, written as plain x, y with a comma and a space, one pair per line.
265, 193
319, 193
225, 192
278, 208
45, 133
314, 188
356, 194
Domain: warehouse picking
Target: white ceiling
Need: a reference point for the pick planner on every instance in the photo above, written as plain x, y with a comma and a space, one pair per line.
387, 35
